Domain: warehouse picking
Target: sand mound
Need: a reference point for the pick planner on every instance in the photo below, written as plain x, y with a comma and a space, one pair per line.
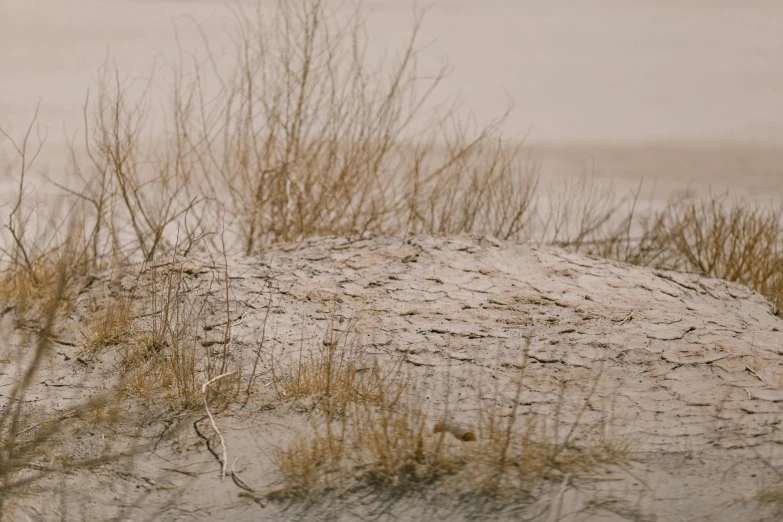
690, 372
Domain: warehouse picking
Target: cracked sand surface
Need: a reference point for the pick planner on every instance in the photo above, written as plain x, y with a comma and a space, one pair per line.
690, 367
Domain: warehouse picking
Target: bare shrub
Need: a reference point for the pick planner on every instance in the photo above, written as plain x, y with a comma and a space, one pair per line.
582, 211
736, 241
35, 245
305, 138
482, 186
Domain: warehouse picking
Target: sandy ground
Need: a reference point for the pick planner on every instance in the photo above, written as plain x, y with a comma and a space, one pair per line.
690, 374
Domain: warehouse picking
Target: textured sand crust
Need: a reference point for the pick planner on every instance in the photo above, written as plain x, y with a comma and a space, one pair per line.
690, 372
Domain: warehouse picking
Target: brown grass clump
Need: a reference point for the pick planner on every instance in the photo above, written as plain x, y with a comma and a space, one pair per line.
110, 322
378, 443
513, 461
770, 493
362, 429
167, 352
390, 445
771, 496
333, 377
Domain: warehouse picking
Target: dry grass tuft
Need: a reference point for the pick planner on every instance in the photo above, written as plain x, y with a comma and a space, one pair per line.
167, 353
390, 445
110, 324
332, 377
771, 496
382, 445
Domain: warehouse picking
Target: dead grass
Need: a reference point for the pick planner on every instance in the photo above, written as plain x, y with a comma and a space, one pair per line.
386, 442
167, 352
109, 322
335, 376
771, 496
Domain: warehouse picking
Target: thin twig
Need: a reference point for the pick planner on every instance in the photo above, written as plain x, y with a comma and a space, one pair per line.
627, 318
751, 370
214, 425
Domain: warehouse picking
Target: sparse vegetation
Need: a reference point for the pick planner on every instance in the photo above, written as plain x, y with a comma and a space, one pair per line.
336, 376
28, 451
381, 437
305, 139
168, 353
713, 235
109, 323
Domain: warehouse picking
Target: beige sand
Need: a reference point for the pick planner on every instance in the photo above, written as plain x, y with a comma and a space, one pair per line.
692, 369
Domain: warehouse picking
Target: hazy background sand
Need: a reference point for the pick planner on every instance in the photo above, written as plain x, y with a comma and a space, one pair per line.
685, 93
